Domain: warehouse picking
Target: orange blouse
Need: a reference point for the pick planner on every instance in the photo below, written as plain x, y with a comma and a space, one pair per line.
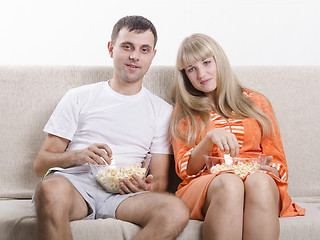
248, 132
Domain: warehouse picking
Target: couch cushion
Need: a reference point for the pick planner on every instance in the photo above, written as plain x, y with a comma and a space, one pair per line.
302, 227
18, 222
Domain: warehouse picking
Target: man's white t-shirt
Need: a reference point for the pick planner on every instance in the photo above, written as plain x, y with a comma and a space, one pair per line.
129, 124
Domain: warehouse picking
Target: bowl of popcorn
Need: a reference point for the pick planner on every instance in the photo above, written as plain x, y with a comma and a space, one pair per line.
110, 176
242, 165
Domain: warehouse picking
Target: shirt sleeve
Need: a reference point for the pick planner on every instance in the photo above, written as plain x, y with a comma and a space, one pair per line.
64, 119
182, 151
161, 142
272, 144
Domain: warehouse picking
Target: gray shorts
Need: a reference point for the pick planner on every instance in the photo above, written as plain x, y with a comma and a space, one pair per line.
101, 203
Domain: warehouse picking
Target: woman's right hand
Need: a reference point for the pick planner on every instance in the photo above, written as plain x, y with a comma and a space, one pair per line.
225, 141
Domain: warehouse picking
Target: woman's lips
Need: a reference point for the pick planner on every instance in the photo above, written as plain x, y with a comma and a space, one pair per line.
204, 82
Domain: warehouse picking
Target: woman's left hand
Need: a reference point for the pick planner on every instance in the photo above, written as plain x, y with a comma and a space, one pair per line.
268, 168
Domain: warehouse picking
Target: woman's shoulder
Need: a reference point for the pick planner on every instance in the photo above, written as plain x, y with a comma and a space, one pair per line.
176, 114
184, 119
258, 98
255, 96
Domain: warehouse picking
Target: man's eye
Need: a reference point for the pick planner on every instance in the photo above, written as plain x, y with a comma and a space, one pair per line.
145, 50
126, 47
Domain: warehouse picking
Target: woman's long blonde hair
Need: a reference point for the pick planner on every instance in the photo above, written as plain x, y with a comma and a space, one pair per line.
192, 104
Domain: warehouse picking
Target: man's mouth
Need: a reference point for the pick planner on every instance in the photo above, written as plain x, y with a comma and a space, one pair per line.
132, 66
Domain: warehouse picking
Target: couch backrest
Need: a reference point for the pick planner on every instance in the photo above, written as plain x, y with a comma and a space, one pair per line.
28, 95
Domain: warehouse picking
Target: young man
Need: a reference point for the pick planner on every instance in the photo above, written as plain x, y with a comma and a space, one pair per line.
99, 121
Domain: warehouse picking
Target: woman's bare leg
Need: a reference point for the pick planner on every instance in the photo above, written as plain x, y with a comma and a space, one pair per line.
261, 212
223, 208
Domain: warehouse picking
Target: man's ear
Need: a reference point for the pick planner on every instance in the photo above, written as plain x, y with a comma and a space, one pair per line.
110, 48
154, 52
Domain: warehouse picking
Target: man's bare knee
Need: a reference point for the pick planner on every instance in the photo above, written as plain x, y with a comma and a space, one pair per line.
171, 212
159, 207
176, 212
53, 194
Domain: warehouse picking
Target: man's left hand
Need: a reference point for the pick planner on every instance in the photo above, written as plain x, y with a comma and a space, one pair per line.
144, 184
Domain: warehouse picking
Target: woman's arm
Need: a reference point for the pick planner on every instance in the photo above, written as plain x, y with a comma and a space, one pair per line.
224, 140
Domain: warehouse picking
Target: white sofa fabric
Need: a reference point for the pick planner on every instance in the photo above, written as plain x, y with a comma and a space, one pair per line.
28, 95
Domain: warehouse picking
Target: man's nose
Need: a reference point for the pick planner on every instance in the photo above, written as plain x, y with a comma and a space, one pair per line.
134, 56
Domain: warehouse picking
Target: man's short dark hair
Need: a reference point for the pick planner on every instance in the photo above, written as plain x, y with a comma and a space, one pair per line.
134, 23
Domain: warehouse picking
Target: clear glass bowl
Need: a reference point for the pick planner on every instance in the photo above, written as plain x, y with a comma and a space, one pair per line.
242, 165
110, 176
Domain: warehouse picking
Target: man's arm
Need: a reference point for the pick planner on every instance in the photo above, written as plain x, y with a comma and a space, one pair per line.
53, 154
159, 169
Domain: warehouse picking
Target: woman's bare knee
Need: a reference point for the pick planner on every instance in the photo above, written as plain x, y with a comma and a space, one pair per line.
226, 184
223, 208
261, 190
262, 199
226, 190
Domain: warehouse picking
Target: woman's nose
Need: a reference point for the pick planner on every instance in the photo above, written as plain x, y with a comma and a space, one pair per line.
201, 73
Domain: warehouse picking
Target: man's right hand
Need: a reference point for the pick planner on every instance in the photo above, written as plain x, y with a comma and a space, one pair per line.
94, 153
53, 154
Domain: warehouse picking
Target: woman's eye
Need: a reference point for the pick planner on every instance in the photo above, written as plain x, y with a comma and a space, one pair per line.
206, 62
191, 69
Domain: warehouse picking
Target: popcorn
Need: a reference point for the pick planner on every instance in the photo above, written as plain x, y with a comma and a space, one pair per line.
241, 169
112, 177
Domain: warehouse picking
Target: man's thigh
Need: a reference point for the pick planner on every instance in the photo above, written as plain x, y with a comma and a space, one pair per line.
138, 208
59, 189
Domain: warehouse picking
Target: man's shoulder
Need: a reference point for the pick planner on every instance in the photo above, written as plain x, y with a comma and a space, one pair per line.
157, 101
87, 87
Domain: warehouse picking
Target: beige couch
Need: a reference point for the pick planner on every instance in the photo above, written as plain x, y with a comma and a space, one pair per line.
28, 95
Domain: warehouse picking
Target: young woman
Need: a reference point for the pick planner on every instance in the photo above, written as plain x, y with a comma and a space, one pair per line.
214, 113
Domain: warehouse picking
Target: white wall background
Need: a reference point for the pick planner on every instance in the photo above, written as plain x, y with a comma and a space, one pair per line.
76, 32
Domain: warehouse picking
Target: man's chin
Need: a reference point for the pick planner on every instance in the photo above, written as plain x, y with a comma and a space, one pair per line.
132, 80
